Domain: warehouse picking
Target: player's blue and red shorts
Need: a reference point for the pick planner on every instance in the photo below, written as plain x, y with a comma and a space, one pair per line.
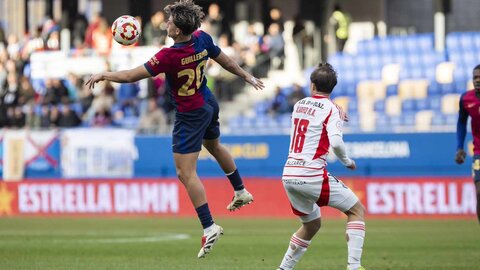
196, 116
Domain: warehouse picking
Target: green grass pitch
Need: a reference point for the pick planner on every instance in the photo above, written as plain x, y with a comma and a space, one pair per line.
172, 243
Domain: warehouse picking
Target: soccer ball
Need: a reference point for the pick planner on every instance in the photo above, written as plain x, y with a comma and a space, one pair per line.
126, 30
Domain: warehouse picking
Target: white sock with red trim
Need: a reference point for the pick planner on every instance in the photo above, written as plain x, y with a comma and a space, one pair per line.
355, 237
295, 251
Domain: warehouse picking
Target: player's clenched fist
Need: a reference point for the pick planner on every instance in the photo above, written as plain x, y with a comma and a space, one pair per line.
460, 156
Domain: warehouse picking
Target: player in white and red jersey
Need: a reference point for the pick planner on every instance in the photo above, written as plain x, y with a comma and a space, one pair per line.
316, 126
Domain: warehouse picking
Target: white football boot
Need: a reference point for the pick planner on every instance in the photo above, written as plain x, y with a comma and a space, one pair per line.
240, 200
209, 240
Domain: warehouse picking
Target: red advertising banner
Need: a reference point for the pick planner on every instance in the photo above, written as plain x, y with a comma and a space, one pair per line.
383, 197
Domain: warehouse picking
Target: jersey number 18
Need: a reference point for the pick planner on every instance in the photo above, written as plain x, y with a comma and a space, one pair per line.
298, 140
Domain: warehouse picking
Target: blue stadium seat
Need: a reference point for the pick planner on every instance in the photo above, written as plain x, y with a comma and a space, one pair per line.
438, 120
352, 106
446, 88
408, 105
451, 119
435, 102
422, 104
396, 120
392, 89
382, 120
379, 106
408, 119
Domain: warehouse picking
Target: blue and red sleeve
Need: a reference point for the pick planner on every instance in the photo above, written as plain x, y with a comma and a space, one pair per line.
159, 63
212, 49
461, 125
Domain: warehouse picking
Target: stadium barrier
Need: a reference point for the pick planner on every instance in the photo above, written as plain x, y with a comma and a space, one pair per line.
439, 197
117, 153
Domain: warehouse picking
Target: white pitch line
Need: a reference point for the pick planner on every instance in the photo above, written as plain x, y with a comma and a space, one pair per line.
159, 238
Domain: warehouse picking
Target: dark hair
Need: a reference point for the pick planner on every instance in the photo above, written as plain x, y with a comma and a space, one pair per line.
186, 15
477, 67
324, 77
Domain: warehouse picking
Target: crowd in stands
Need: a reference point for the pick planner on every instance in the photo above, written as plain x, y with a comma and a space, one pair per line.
66, 102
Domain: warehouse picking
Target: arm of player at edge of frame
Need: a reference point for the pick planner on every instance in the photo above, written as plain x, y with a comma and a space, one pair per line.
230, 65
123, 76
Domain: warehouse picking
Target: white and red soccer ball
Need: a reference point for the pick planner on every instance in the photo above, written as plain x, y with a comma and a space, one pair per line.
126, 30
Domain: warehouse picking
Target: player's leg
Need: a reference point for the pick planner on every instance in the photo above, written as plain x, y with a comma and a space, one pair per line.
355, 235
302, 199
343, 198
477, 185
476, 179
211, 141
186, 165
300, 241
226, 162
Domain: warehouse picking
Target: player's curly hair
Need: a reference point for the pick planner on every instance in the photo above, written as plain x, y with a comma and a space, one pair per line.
324, 77
186, 15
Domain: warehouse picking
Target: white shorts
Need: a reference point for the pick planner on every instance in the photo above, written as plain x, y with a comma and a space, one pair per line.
306, 195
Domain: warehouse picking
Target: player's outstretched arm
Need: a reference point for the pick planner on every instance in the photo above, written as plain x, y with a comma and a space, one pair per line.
232, 66
338, 147
123, 76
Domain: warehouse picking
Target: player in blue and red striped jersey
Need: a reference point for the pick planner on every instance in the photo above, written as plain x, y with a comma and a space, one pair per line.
470, 106
196, 117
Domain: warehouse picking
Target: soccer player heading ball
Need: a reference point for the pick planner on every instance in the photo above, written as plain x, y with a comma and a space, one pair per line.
316, 125
196, 110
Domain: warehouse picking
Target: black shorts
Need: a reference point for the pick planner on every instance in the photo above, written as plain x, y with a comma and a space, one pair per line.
192, 127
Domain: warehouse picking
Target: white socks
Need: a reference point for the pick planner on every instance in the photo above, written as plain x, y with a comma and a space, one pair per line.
240, 192
295, 251
355, 237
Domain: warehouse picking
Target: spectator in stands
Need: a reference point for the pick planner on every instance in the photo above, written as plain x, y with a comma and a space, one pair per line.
53, 41
102, 118
32, 119
27, 93
279, 103
73, 84
276, 16
3, 38
470, 106
296, 95
54, 115
341, 23
10, 92
275, 45
155, 30
80, 25
18, 119
92, 26
214, 22
225, 83
68, 117
102, 38
85, 98
55, 91
45, 120
153, 120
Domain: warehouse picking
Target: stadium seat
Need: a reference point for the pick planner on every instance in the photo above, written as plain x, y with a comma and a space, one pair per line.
450, 103
423, 120
393, 105
408, 105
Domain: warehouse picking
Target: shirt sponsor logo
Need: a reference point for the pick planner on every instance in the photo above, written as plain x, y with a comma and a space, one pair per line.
154, 61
